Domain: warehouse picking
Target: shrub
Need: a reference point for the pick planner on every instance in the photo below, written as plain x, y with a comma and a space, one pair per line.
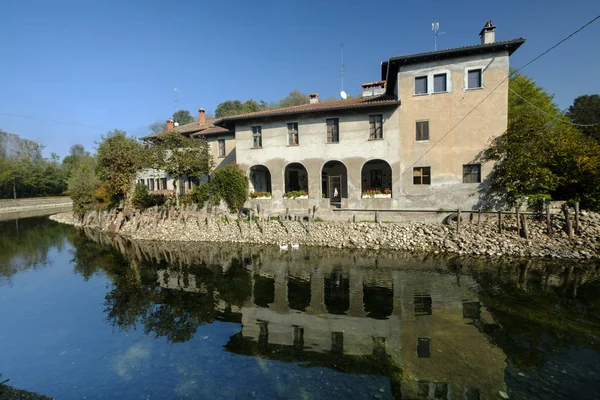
82, 185
231, 185
142, 199
202, 194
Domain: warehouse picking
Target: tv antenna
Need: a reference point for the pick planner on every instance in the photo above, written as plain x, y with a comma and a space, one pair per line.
343, 94
435, 27
175, 104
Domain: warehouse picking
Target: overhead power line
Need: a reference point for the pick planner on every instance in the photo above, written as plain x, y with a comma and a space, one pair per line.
550, 115
64, 122
500, 84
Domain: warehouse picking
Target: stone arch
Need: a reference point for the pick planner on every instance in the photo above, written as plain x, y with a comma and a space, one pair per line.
259, 178
376, 175
295, 177
334, 168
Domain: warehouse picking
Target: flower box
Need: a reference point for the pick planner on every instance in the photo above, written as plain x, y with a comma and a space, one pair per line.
260, 195
296, 194
377, 194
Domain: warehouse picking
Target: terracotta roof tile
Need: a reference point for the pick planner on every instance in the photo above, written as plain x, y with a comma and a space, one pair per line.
359, 102
187, 129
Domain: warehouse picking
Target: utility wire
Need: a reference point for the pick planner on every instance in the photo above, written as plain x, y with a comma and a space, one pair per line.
500, 84
550, 115
63, 122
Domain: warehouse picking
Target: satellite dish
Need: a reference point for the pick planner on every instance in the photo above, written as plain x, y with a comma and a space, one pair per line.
343, 95
176, 124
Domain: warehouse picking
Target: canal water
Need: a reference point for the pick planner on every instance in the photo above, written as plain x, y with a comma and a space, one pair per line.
87, 316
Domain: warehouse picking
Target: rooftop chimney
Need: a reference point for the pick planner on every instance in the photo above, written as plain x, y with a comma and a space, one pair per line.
170, 125
488, 33
201, 116
314, 98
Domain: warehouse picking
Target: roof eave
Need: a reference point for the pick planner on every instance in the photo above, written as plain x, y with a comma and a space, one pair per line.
366, 104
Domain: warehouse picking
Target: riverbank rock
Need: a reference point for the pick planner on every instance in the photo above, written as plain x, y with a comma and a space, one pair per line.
473, 238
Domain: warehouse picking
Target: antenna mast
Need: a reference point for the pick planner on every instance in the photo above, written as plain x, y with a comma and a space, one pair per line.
435, 27
175, 101
342, 65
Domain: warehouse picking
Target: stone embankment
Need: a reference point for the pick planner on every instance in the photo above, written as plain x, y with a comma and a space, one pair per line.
35, 207
473, 238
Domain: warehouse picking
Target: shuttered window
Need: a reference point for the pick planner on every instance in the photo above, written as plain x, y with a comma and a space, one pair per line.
474, 79
333, 130
421, 85
439, 83
293, 139
221, 147
375, 127
422, 130
256, 137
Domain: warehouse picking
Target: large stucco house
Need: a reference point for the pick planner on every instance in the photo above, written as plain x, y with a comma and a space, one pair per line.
410, 141
414, 135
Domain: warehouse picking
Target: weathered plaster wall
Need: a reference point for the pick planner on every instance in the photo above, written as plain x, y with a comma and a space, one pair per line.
457, 130
354, 150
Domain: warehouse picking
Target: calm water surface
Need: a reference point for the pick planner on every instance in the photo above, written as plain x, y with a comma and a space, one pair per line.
87, 316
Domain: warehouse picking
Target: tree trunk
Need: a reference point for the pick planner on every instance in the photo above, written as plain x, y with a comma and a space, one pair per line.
175, 179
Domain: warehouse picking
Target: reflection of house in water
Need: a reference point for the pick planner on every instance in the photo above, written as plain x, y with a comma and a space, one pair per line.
419, 328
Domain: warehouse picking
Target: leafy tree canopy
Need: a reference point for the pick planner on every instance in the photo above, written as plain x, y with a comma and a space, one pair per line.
586, 111
540, 154
235, 107
182, 117
119, 159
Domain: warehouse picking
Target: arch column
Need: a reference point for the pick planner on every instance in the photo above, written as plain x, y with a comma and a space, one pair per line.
357, 304
280, 303
317, 293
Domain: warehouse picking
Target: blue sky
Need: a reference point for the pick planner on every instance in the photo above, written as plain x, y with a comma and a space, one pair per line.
114, 64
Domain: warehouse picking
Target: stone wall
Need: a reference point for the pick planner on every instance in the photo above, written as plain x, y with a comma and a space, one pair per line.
35, 207
473, 238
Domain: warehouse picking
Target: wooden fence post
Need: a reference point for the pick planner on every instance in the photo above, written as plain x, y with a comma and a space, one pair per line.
518, 224
458, 220
377, 216
499, 221
548, 219
478, 217
524, 226
565, 209
577, 218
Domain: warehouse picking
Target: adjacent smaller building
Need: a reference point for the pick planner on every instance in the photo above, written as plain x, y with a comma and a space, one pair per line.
222, 148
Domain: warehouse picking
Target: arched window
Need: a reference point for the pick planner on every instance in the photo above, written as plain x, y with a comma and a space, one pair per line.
296, 178
260, 179
376, 175
334, 181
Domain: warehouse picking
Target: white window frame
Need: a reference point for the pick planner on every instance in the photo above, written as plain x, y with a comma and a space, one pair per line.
466, 77
430, 82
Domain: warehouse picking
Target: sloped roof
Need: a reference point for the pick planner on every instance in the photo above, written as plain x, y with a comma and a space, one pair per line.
192, 128
359, 102
389, 69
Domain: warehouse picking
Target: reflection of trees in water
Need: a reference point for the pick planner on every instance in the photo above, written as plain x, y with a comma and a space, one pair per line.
25, 243
542, 310
539, 306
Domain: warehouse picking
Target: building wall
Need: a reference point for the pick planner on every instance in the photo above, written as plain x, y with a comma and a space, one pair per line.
453, 142
354, 150
449, 147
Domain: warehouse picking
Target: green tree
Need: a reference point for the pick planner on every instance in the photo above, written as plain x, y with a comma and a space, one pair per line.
235, 107
540, 154
181, 156
76, 152
82, 184
157, 127
183, 117
230, 184
586, 111
295, 98
119, 159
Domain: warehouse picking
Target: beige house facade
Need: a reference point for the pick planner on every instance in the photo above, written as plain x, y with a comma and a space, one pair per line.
410, 142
